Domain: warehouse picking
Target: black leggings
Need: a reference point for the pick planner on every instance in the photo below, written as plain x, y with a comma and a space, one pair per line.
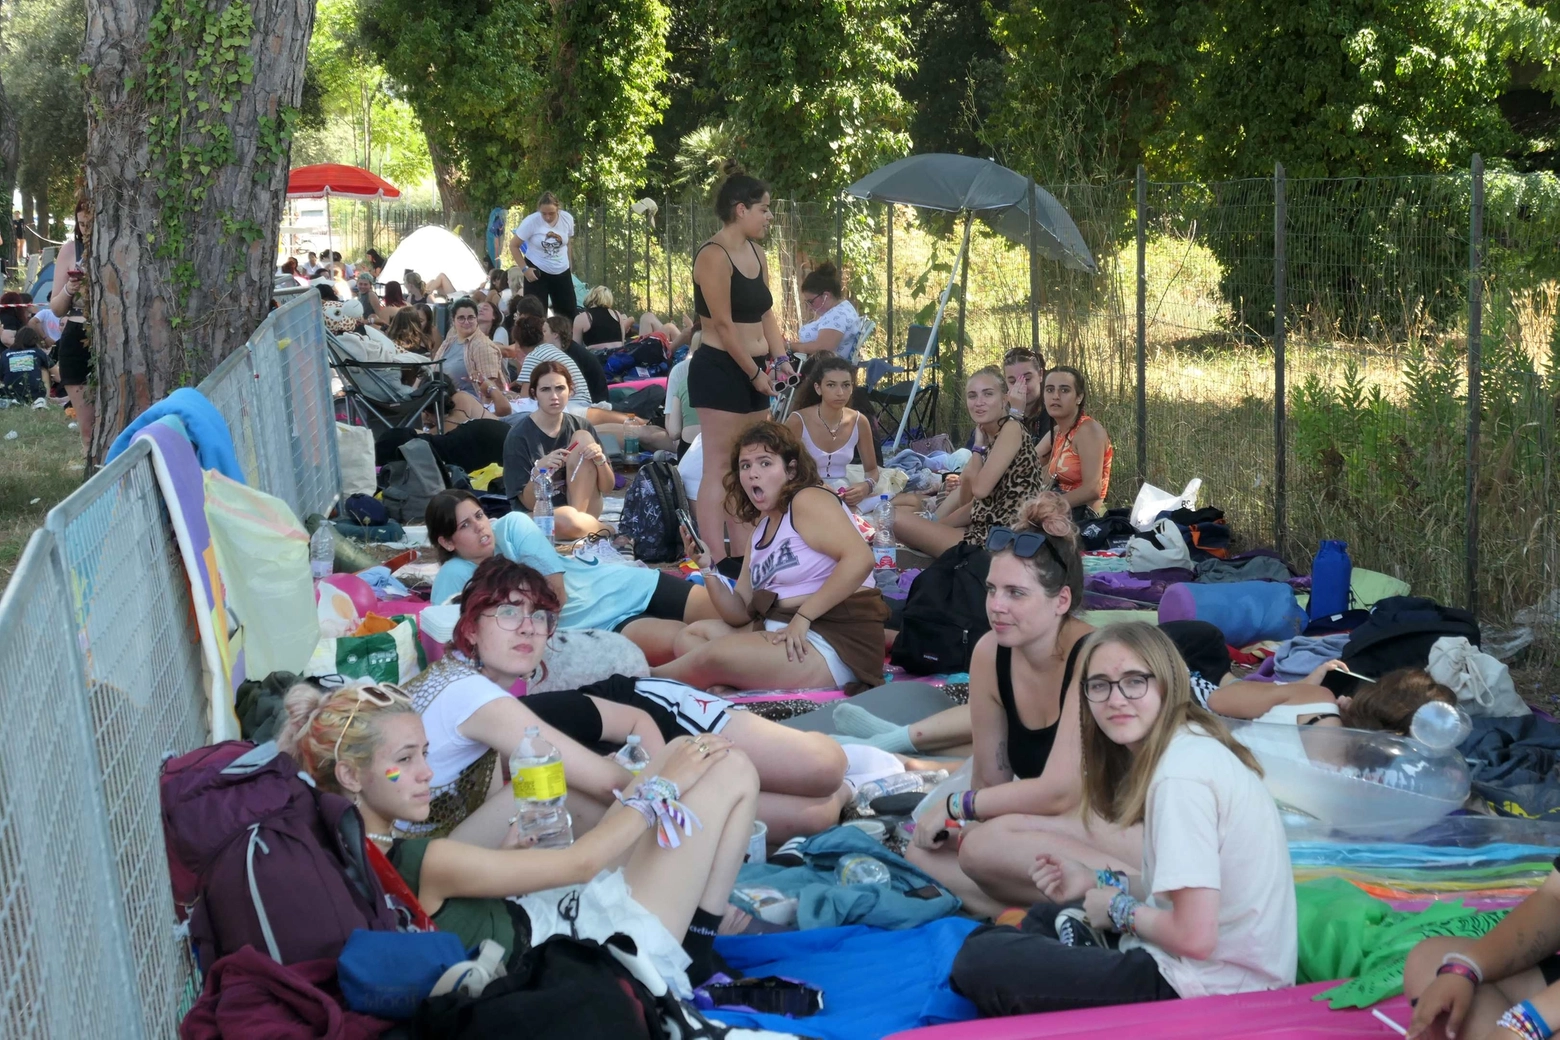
557, 290
1026, 970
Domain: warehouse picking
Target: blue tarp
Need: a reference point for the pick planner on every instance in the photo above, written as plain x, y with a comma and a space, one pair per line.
875, 982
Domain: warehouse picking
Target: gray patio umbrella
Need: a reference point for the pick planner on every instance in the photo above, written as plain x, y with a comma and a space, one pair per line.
976, 188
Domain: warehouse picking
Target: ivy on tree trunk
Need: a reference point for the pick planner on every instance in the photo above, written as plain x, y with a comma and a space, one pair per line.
190, 108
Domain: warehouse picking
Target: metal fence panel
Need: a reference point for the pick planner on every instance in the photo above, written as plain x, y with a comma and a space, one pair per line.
57, 978
305, 388
233, 390
131, 609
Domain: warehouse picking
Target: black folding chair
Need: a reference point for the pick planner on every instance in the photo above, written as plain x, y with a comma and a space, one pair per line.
375, 397
891, 399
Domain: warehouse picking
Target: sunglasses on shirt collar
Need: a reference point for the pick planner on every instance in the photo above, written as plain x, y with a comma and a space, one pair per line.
1024, 544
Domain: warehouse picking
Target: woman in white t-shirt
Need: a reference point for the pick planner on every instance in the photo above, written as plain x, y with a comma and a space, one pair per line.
837, 326
1213, 911
545, 242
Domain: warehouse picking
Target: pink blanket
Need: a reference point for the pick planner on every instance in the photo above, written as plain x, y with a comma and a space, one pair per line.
640, 384
1285, 1014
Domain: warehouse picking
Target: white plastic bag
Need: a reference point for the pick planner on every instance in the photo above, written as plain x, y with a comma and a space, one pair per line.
1483, 685
1159, 548
1152, 501
355, 448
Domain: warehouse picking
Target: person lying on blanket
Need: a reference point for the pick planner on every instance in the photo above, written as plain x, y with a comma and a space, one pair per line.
808, 579
1505, 985
369, 744
1213, 909
465, 697
1024, 715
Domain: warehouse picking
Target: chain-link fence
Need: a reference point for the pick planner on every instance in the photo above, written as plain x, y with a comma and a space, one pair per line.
100, 681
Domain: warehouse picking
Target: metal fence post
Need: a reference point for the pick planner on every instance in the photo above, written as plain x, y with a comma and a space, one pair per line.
1475, 373
964, 306
1034, 271
1280, 318
888, 208
1142, 325
839, 232
666, 239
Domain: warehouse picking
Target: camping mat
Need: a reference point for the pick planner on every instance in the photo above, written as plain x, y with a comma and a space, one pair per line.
1409, 876
874, 981
899, 702
1284, 1014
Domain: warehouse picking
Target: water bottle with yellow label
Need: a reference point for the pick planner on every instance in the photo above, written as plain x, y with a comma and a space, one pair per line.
537, 771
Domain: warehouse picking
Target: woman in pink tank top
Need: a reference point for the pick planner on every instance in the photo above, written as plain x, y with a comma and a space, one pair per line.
831, 430
805, 614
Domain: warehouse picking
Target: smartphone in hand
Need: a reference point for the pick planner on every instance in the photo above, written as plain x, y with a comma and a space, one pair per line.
692, 531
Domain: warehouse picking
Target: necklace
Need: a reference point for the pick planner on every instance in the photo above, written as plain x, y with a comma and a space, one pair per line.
834, 431
388, 839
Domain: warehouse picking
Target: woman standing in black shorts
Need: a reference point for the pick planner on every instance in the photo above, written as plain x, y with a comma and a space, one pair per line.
65, 300
728, 384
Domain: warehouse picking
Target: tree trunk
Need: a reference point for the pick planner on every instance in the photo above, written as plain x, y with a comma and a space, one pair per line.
447, 176
188, 135
10, 155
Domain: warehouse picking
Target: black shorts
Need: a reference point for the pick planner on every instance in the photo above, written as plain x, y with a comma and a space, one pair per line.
554, 289
676, 709
668, 602
717, 382
75, 360
569, 712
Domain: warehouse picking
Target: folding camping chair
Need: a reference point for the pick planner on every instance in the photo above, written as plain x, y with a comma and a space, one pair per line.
377, 399
780, 407
892, 398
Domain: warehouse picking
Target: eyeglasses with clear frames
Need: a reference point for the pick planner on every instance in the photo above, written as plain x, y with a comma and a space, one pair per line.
1133, 686
511, 618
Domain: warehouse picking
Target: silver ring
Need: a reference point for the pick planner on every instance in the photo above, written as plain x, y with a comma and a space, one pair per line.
514, 820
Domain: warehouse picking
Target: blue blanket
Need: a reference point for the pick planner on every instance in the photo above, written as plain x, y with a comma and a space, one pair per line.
203, 424
822, 902
874, 982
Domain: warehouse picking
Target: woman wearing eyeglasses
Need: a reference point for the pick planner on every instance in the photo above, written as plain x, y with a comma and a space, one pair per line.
1024, 717
369, 744
836, 327
1213, 909
468, 358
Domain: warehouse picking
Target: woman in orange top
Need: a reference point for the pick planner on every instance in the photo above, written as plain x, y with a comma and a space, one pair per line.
1077, 451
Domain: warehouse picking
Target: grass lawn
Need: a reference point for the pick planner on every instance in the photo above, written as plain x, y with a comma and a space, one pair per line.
38, 467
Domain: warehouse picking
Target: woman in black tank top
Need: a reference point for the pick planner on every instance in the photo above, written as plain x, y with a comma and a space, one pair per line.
1026, 775
730, 373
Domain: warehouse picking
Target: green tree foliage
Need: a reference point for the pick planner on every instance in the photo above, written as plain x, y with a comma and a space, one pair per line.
813, 86
350, 114
43, 44
957, 76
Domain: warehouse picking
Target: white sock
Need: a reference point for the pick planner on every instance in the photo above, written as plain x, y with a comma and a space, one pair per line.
856, 721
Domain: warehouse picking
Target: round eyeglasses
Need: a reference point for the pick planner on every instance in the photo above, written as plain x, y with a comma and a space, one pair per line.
1133, 686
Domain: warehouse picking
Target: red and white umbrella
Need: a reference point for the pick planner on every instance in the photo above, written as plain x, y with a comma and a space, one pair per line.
328, 180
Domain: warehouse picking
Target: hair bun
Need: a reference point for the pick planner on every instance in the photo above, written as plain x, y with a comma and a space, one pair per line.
301, 704
732, 168
1049, 512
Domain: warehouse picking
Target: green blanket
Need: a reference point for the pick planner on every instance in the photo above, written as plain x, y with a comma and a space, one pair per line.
1345, 933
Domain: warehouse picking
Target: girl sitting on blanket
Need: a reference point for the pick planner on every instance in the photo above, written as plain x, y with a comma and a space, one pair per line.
666, 890
802, 773
808, 579
1213, 909
1024, 717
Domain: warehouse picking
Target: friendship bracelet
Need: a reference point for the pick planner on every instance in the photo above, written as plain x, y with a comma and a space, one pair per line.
1104, 878
953, 806
1468, 962
671, 814
640, 805
1455, 968
968, 804
756, 373
1122, 908
1524, 1020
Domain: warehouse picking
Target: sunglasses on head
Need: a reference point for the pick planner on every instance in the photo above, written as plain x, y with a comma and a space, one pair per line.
1023, 544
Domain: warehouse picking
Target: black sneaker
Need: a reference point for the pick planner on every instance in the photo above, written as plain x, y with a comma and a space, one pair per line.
1073, 929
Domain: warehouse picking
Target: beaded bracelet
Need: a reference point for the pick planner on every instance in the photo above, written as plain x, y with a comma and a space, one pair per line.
660, 795
1468, 962
1104, 878
1524, 1020
1122, 909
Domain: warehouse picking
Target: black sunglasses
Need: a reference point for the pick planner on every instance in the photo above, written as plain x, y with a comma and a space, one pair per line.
1024, 544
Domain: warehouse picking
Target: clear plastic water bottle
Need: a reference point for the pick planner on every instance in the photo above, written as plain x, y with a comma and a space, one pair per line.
537, 771
322, 550
631, 438
632, 756
863, 870
899, 783
542, 513
885, 550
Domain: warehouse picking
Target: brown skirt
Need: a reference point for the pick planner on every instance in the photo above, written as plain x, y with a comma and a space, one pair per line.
854, 628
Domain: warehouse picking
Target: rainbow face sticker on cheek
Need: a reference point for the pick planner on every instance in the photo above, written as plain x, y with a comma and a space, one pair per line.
392, 774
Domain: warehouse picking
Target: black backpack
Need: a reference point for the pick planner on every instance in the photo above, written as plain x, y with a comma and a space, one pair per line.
945, 613
1400, 632
650, 508
406, 484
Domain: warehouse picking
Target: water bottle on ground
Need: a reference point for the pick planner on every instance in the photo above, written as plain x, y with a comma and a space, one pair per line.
631, 438
537, 769
542, 513
322, 550
863, 870
885, 550
899, 783
632, 756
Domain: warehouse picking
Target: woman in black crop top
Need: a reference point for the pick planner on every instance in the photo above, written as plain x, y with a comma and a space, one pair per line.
1024, 703
729, 381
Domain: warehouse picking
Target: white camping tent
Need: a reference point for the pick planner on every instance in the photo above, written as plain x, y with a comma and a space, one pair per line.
431, 251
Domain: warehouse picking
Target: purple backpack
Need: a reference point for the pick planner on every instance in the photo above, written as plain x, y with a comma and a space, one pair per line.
260, 857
